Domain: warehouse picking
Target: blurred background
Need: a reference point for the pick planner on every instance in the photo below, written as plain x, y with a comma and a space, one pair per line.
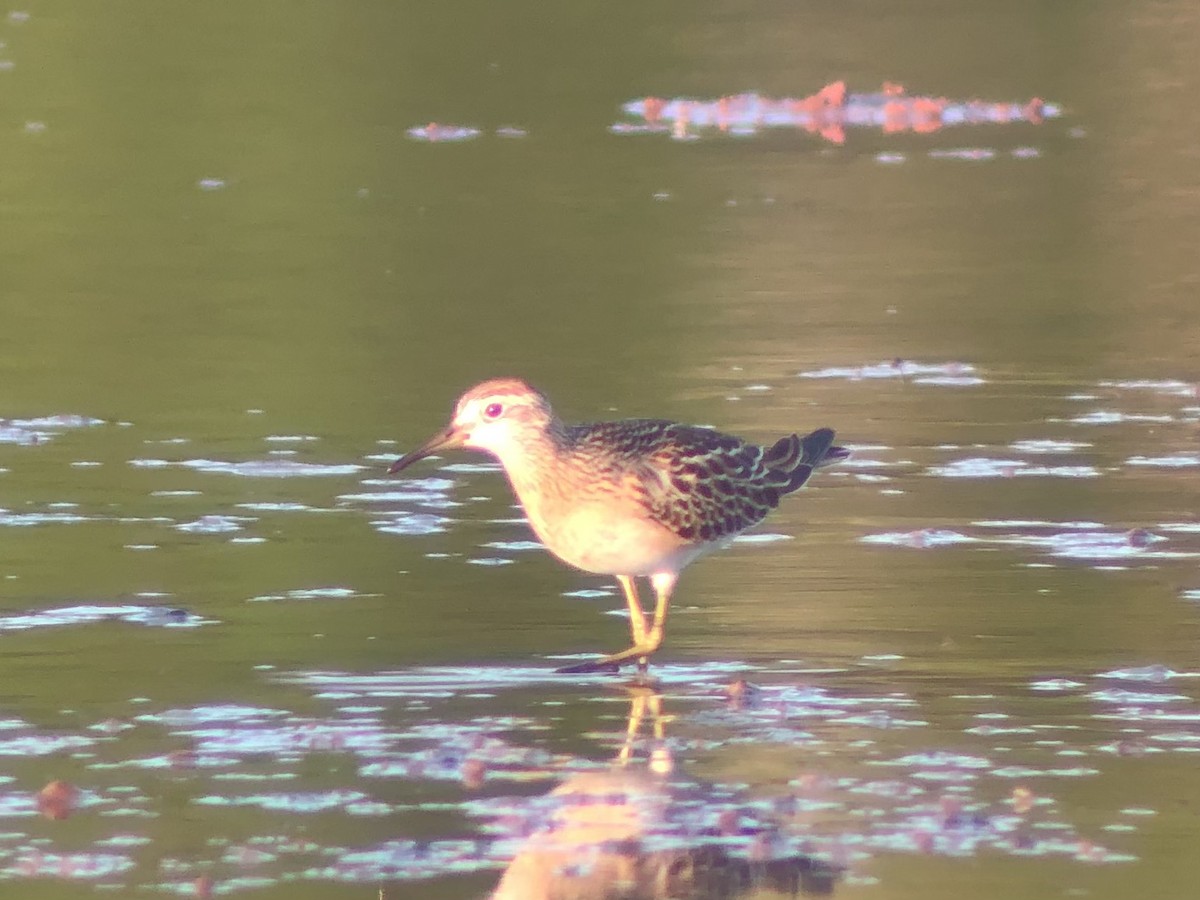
236, 280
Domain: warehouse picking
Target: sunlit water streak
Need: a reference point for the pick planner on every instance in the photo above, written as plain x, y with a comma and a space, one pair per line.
85, 614
1077, 541
948, 374
42, 429
254, 468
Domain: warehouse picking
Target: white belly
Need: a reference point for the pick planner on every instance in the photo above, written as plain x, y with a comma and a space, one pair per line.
592, 538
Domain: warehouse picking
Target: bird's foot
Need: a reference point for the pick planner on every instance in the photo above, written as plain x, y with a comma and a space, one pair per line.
592, 666
639, 654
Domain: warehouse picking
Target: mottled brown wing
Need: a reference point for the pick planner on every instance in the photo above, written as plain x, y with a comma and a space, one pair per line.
700, 483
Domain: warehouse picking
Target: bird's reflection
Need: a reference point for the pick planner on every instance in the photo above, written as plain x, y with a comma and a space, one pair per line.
638, 831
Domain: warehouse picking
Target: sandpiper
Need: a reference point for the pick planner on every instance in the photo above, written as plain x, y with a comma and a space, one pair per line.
635, 497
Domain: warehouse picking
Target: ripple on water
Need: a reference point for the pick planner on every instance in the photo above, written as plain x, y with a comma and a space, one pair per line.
1169, 386
921, 539
409, 523
1112, 417
1048, 445
594, 593
1171, 461
296, 737
72, 866
1154, 673
1135, 698
423, 498
155, 616
764, 537
41, 429
24, 520
952, 374
32, 743
984, 467
302, 802
214, 524
515, 546
281, 506
324, 593
228, 712
1087, 541
1105, 545
1056, 684
937, 760
254, 468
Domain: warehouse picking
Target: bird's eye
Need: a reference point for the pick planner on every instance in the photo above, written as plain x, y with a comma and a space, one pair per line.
493, 411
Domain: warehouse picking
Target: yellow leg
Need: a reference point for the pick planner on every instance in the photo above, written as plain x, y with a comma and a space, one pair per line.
637, 616
663, 585
645, 641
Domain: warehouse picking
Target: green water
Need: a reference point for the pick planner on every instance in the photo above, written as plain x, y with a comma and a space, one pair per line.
221, 243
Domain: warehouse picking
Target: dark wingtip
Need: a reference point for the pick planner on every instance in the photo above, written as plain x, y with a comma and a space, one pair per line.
817, 445
818, 451
836, 455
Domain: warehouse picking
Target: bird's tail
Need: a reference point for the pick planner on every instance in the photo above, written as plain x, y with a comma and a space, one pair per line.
801, 456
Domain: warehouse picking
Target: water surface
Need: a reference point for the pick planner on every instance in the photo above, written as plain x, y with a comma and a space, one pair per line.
240, 278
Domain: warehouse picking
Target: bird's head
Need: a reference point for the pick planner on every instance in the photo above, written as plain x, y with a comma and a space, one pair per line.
502, 416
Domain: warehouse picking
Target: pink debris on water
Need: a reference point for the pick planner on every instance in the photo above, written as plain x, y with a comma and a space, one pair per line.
827, 113
436, 133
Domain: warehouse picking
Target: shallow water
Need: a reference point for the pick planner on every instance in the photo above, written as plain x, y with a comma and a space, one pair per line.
254, 254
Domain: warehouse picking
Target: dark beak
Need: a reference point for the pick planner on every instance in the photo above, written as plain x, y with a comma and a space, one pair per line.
446, 439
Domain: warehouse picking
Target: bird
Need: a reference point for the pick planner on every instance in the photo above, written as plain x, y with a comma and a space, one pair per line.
629, 498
